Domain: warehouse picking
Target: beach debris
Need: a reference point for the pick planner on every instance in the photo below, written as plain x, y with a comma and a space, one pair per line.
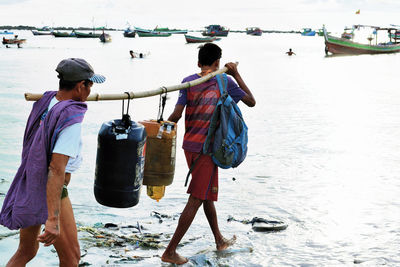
160, 216
111, 225
84, 263
261, 224
110, 237
5, 235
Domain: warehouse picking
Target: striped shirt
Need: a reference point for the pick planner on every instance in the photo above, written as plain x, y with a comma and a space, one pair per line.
200, 101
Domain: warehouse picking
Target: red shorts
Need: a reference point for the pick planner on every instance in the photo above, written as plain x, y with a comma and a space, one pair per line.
204, 183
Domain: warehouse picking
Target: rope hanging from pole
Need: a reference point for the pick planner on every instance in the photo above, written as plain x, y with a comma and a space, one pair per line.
161, 105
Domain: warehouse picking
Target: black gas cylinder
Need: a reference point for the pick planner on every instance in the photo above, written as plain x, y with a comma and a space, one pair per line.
120, 163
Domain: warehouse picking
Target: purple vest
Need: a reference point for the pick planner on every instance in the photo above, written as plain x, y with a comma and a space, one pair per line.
25, 204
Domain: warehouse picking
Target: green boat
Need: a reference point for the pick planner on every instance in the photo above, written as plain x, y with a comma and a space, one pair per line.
64, 34
87, 35
195, 39
172, 31
337, 45
152, 34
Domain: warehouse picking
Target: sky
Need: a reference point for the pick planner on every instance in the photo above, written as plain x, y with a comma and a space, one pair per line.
234, 14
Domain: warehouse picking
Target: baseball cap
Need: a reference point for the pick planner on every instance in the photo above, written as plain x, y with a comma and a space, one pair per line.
77, 69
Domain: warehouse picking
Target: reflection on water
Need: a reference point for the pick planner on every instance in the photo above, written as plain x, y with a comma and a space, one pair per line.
323, 149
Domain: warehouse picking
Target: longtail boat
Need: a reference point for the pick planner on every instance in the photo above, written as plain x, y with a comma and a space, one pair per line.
255, 31
6, 32
215, 30
152, 34
129, 33
195, 39
105, 37
13, 41
87, 35
308, 32
40, 33
64, 34
337, 45
43, 31
172, 31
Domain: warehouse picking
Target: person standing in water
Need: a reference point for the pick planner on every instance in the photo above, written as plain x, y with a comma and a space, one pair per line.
51, 152
290, 52
200, 102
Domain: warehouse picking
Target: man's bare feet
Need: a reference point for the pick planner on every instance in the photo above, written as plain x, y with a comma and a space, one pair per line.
173, 258
225, 243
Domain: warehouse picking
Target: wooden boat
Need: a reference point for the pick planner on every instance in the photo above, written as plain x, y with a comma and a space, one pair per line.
129, 33
337, 45
105, 37
64, 34
150, 33
6, 32
14, 40
195, 39
255, 31
307, 32
171, 31
215, 30
41, 33
87, 35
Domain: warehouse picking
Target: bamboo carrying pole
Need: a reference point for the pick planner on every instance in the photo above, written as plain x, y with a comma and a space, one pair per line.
161, 90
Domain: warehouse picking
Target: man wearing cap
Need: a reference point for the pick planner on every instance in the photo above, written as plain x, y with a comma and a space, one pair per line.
51, 152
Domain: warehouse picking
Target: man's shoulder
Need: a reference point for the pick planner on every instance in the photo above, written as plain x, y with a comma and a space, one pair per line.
190, 78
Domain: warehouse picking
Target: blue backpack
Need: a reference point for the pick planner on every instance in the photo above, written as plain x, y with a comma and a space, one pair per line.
227, 134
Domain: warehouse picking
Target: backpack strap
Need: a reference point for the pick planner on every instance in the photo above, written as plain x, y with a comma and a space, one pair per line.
222, 81
191, 169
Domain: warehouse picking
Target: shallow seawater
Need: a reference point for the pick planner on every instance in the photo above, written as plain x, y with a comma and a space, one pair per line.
324, 151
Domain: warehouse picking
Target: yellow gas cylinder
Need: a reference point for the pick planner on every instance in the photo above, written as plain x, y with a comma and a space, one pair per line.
159, 167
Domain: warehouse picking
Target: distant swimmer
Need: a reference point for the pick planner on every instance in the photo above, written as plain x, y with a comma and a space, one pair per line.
135, 55
290, 52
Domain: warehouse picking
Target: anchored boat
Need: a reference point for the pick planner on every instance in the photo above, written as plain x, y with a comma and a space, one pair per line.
172, 31
215, 30
339, 45
308, 32
255, 31
195, 39
87, 35
150, 33
105, 37
13, 41
64, 34
129, 33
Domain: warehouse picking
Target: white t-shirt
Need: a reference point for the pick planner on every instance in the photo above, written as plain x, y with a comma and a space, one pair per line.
69, 143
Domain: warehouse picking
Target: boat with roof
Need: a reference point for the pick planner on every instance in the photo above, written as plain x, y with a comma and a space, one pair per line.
308, 32
342, 45
215, 30
254, 31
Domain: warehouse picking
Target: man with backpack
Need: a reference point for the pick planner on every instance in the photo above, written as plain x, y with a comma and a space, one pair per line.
200, 102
